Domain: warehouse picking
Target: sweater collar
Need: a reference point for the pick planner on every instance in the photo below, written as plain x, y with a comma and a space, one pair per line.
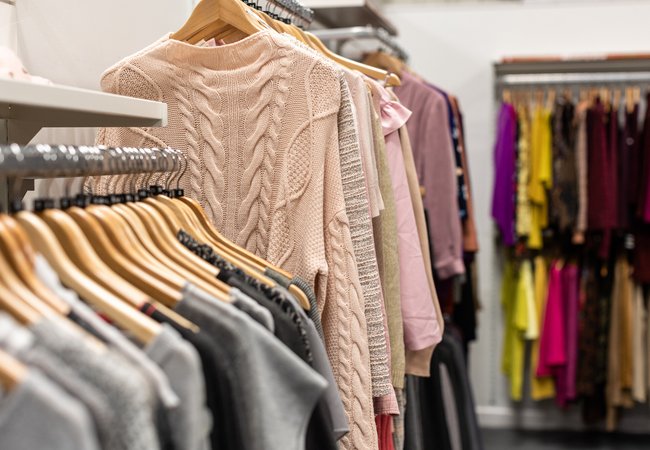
250, 51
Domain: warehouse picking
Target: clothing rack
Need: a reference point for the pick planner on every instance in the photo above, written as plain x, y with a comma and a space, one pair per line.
350, 13
19, 164
296, 8
291, 7
571, 72
343, 35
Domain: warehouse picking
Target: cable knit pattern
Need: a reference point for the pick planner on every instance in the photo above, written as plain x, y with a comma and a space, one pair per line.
356, 396
355, 192
257, 120
358, 211
209, 140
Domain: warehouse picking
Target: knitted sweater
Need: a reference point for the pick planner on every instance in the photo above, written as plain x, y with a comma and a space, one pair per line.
358, 210
356, 195
257, 120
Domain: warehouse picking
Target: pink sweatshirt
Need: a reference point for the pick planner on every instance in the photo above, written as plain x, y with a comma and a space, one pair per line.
434, 159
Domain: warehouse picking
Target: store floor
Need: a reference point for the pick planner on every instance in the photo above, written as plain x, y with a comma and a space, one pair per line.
557, 440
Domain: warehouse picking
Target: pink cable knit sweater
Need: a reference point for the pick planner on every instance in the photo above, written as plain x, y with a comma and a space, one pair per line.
257, 120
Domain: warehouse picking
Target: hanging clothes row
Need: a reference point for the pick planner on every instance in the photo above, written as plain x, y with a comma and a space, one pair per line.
291, 261
440, 407
175, 344
569, 195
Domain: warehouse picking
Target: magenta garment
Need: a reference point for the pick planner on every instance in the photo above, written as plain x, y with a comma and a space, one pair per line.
421, 327
434, 160
571, 288
552, 341
505, 182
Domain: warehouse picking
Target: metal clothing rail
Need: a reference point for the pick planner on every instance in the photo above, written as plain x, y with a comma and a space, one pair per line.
63, 161
572, 72
296, 8
367, 32
20, 165
288, 7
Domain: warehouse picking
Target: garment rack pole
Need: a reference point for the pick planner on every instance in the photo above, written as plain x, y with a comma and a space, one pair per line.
20, 165
296, 8
571, 73
367, 32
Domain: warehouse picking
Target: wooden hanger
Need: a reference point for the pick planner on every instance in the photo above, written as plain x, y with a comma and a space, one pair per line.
125, 239
386, 61
20, 254
16, 286
617, 99
550, 99
122, 265
242, 252
200, 235
82, 253
539, 98
11, 302
169, 245
390, 79
210, 16
12, 371
145, 239
172, 217
629, 99
506, 96
584, 95
142, 327
169, 227
636, 94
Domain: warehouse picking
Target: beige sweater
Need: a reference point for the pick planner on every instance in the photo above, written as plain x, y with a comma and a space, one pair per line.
385, 231
257, 120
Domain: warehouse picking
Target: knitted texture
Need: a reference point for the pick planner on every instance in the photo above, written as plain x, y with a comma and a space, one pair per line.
358, 211
257, 122
385, 231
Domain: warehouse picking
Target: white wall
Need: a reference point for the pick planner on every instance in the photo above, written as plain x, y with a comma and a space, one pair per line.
73, 41
8, 32
455, 46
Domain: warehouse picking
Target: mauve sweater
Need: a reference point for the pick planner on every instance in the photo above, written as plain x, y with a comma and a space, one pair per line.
434, 158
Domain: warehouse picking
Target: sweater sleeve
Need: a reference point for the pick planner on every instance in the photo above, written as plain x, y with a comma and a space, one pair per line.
358, 211
439, 179
125, 79
339, 292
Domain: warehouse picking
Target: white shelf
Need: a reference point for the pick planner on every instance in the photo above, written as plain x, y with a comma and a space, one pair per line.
349, 13
28, 107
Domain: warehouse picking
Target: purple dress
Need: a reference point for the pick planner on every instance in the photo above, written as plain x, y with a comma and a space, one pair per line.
503, 198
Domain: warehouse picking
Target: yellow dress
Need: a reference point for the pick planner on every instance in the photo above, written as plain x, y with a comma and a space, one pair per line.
541, 174
517, 297
540, 387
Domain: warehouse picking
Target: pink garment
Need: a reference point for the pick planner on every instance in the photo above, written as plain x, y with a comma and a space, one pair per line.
421, 327
434, 159
571, 286
552, 342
